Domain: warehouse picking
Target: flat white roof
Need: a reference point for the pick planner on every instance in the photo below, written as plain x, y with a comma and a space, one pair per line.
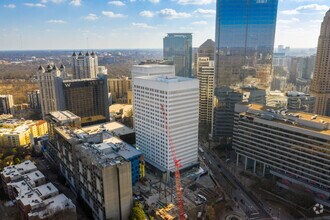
19, 169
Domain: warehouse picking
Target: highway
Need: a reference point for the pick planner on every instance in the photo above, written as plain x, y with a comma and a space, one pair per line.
247, 202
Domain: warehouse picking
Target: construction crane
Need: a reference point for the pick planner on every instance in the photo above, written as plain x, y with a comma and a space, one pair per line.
177, 167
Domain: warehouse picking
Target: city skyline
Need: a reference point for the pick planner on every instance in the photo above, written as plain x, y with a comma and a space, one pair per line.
137, 24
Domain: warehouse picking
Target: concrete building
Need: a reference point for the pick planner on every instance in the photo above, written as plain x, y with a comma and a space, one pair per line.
34, 99
19, 132
204, 50
98, 166
276, 99
205, 75
320, 87
50, 83
84, 65
6, 104
87, 98
152, 70
120, 89
300, 101
179, 96
177, 47
34, 198
293, 146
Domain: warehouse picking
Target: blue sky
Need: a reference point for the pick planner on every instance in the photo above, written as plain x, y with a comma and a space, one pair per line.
75, 24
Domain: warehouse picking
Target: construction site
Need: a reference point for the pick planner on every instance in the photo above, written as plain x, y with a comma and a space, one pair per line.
198, 192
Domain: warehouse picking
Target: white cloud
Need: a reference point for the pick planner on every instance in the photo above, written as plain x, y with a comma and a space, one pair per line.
148, 14
75, 2
54, 1
314, 7
288, 21
91, 17
142, 25
172, 14
53, 21
110, 14
199, 23
154, 1
116, 3
37, 5
195, 2
205, 12
9, 6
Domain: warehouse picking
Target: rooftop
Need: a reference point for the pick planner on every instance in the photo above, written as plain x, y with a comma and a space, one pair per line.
316, 123
167, 79
64, 116
19, 169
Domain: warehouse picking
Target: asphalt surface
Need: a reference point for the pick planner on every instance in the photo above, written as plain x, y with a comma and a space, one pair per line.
245, 200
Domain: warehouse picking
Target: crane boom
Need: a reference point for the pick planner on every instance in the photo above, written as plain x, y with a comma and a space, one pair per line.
177, 167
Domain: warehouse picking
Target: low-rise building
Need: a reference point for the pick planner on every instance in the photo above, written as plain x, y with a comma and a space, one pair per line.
35, 198
300, 101
292, 146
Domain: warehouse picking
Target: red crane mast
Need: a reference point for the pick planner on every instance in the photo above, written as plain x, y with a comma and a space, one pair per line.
177, 167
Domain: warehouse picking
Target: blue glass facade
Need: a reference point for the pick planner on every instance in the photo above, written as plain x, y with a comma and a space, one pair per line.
177, 47
245, 31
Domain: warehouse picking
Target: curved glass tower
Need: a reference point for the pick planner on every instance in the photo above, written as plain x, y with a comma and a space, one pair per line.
245, 31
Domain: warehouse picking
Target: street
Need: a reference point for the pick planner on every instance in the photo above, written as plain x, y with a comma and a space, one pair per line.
252, 208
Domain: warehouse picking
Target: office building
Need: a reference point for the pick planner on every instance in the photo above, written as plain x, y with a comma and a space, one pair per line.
50, 83
276, 99
179, 97
6, 104
204, 50
84, 65
87, 98
34, 100
244, 43
300, 101
121, 90
98, 166
205, 75
178, 48
34, 198
152, 70
290, 145
320, 87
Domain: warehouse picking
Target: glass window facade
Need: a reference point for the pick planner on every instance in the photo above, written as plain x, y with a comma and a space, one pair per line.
178, 48
245, 31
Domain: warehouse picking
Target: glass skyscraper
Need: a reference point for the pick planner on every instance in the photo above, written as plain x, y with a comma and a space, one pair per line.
245, 31
178, 48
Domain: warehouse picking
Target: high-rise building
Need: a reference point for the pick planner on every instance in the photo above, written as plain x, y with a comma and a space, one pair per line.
300, 101
245, 32
120, 88
320, 87
98, 166
50, 83
87, 98
292, 146
179, 96
204, 50
84, 65
178, 48
205, 75
34, 99
152, 70
6, 104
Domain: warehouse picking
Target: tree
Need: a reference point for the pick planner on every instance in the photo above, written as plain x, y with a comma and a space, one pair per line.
137, 212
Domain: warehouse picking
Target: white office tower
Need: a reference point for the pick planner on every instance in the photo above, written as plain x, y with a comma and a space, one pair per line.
50, 80
84, 66
179, 96
152, 70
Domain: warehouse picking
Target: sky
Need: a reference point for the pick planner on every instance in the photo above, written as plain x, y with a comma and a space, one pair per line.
133, 24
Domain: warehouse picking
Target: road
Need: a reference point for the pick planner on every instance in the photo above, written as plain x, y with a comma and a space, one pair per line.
244, 199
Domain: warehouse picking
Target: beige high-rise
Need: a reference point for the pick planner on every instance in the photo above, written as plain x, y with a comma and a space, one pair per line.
320, 87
